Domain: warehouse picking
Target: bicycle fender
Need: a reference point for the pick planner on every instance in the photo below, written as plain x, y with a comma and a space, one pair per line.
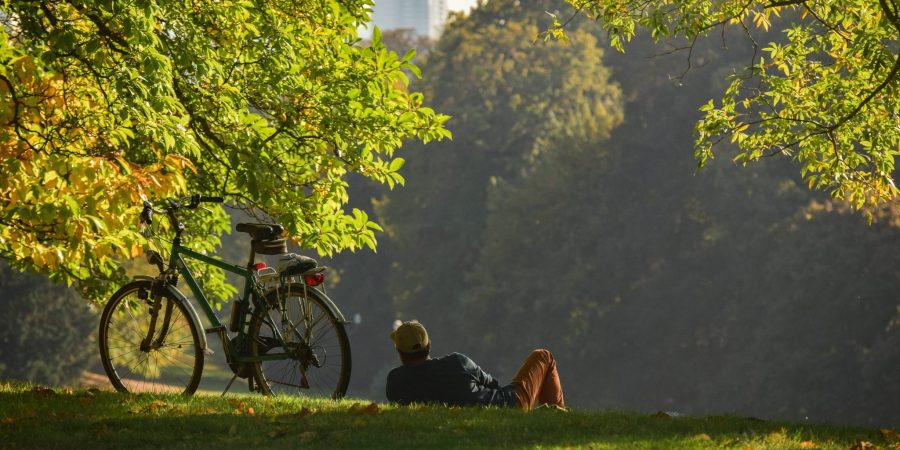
331, 306
179, 297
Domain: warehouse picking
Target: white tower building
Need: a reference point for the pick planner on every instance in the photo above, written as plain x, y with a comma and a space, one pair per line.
426, 17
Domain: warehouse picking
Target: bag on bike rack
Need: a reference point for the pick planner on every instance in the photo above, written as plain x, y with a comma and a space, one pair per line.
267, 237
294, 264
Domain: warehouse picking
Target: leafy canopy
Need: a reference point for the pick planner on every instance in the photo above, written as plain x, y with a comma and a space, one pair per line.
270, 102
825, 94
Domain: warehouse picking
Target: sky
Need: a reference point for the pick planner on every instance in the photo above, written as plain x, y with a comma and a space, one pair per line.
460, 5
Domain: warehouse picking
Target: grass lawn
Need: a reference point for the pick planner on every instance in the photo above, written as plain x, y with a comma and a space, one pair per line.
37, 417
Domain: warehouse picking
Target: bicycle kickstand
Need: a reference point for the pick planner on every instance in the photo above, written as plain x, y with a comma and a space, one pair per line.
229, 385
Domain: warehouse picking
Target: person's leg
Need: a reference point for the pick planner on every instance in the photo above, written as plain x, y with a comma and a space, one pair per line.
537, 381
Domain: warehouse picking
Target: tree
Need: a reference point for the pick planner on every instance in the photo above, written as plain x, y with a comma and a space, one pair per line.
826, 94
49, 336
512, 102
272, 103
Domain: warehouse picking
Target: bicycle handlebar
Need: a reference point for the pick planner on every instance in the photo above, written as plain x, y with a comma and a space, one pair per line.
194, 201
197, 199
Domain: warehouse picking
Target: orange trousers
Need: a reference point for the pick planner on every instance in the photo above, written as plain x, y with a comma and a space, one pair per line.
537, 382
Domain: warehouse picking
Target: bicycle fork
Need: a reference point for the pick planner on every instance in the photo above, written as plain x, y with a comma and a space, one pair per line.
149, 343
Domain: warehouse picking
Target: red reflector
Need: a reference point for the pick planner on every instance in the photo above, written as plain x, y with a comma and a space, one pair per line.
315, 279
260, 266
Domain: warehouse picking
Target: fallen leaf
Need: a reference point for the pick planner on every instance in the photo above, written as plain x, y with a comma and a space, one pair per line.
373, 409
307, 436
8, 421
156, 405
889, 434
702, 437
38, 390
808, 444
279, 432
102, 430
250, 411
864, 445
28, 412
356, 407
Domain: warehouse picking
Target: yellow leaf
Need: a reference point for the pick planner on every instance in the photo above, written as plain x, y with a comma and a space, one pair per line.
37, 257
373, 408
156, 405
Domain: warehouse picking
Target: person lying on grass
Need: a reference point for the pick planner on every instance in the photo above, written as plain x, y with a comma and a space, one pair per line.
457, 381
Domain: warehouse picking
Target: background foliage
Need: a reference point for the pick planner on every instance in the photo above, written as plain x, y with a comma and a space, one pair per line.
49, 335
824, 91
732, 290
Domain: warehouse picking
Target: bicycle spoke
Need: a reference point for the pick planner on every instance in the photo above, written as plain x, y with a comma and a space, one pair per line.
173, 361
316, 344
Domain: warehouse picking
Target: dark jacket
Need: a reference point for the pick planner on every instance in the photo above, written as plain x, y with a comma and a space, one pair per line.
453, 379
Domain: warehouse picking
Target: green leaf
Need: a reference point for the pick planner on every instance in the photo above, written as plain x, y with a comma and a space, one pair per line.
396, 164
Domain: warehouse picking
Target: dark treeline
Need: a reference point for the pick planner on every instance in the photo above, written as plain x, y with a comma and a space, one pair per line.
49, 332
566, 213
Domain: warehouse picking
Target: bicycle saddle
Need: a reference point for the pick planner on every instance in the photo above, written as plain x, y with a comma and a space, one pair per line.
261, 231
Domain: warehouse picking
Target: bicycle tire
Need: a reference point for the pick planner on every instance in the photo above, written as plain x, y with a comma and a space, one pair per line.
174, 365
314, 369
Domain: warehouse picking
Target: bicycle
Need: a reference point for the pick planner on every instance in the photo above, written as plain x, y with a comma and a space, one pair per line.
286, 335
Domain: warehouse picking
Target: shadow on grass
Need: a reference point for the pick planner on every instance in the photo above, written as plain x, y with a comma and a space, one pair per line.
109, 420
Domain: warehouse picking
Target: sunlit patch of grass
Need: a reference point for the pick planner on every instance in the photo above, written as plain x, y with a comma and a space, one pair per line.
37, 417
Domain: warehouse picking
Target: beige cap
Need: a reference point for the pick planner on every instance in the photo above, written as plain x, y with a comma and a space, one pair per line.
410, 337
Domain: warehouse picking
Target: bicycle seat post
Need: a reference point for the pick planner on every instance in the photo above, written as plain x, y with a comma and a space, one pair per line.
252, 262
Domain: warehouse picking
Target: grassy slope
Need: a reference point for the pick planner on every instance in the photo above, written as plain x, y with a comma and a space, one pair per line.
39, 418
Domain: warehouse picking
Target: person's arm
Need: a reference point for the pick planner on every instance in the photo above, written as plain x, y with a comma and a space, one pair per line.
391, 391
481, 377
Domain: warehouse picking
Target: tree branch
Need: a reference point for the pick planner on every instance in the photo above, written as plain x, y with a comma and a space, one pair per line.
776, 4
891, 77
103, 30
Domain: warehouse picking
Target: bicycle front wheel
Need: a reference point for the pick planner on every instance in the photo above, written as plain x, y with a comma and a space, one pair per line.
313, 357
170, 359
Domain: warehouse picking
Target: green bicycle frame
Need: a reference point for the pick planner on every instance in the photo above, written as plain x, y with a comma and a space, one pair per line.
176, 260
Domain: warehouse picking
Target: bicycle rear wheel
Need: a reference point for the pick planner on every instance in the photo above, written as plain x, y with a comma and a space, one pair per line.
171, 361
316, 349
